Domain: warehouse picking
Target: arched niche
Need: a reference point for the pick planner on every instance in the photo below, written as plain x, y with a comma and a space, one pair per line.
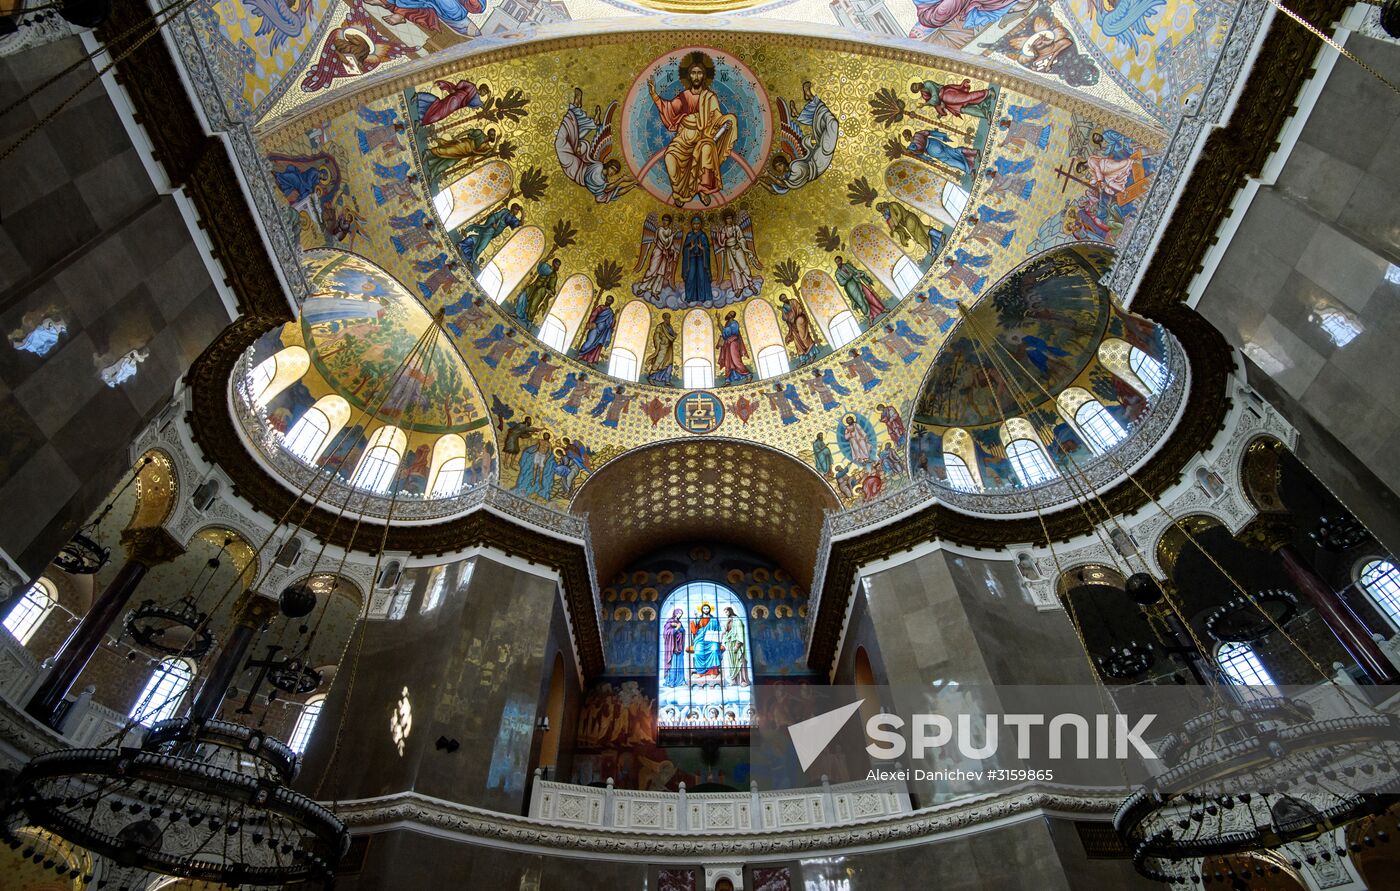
516, 259
829, 308
276, 373
567, 313
765, 338
698, 350
480, 189
926, 191
891, 266
630, 342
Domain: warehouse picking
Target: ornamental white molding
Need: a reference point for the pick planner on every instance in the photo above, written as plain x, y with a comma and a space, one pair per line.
420, 813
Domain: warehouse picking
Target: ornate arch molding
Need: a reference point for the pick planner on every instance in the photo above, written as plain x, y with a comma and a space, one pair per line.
213, 432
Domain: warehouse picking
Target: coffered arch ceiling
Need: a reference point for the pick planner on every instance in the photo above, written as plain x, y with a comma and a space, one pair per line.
705, 490
876, 190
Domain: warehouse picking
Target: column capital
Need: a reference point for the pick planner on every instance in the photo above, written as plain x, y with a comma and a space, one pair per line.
150, 545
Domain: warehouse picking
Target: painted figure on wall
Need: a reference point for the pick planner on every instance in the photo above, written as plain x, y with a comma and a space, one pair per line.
735, 644
859, 288
696, 263
660, 360
659, 256
599, 332
432, 15
806, 143
455, 97
734, 253
954, 99
732, 351
799, 334
934, 146
477, 237
705, 648
673, 634
704, 134
584, 145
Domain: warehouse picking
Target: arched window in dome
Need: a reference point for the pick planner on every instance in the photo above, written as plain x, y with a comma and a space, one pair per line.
705, 666
960, 460
481, 189
698, 350
306, 723
1381, 581
765, 338
890, 266
315, 429
35, 604
276, 373
630, 342
936, 195
1132, 366
1242, 668
1099, 429
829, 309
161, 697
381, 459
1026, 453
571, 305
516, 259
448, 467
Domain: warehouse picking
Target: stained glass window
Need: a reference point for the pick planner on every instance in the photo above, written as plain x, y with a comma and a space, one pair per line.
705, 666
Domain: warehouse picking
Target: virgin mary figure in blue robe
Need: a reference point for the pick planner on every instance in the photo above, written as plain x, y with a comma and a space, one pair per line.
695, 264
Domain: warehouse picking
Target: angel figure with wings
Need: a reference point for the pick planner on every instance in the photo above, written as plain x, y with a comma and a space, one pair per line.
806, 143
735, 256
584, 146
660, 256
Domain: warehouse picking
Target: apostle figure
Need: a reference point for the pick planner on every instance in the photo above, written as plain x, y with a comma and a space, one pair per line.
600, 332
821, 456
462, 94
478, 236
732, 351
534, 298
673, 636
705, 648
695, 257
704, 134
799, 329
736, 661
860, 290
952, 99
661, 359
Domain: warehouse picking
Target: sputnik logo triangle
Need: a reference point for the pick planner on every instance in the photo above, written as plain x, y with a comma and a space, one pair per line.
811, 736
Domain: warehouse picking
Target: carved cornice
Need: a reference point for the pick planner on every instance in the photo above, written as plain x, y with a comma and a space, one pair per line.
492, 828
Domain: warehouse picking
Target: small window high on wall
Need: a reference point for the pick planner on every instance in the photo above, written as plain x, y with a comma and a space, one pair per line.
906, 276
1030, 463
959, 477
161, 697
1241, 665
308, 435
844, 329
706, 669
1152, 373
1381, 580
35, 604
1099, 427
306, 722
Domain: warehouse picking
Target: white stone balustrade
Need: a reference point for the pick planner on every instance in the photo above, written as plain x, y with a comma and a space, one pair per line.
778, 810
